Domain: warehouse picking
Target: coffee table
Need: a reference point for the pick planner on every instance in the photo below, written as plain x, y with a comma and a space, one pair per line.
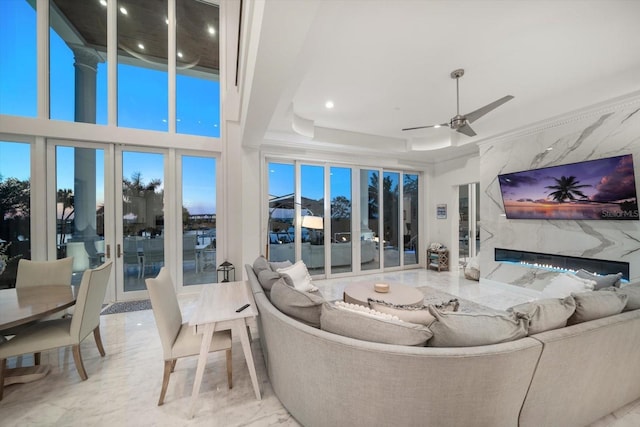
358, 293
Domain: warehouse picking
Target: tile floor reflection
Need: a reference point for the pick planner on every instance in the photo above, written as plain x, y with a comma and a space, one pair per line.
123, 387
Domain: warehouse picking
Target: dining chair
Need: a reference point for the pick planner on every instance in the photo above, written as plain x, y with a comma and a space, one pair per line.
41, 273
51, 334
178, 339
152, 253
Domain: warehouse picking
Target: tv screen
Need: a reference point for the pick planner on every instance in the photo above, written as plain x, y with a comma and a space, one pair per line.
594, 189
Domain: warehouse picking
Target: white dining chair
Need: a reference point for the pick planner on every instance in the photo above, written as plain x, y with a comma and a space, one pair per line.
42, 273
51, 334
178, 339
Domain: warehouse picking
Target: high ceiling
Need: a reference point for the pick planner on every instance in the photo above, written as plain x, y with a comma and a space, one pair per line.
386, 65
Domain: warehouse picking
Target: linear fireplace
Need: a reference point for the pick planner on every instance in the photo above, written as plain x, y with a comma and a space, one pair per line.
562, 262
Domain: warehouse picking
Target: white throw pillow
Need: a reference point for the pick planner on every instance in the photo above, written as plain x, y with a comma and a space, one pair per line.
299, 276
564, 284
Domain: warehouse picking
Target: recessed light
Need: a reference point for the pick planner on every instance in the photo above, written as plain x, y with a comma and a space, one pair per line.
179, 54
328, 104
123, 10
166, 21
141, 46
211, 30
103, 2
436, 126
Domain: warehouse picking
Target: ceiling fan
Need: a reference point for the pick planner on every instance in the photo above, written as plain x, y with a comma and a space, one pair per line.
459, 122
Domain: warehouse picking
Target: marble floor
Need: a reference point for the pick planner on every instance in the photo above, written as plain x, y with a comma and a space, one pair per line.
123, 387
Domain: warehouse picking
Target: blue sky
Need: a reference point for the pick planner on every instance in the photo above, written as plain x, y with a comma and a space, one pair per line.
142, 103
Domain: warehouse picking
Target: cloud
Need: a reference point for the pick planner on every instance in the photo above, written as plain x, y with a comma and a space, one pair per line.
618, 185
517, 180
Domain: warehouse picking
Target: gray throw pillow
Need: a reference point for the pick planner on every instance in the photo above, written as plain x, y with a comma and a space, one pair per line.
267, 278
279, 264
360, 326
546, 314
601, 281
299, 305
467, 329
260, 264
633, 295
595, 305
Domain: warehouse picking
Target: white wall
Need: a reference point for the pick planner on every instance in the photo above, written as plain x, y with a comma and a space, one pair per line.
442, 188
603, 132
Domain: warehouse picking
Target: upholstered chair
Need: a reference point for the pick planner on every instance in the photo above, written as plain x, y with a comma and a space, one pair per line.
51, 334
178, 338
42, 273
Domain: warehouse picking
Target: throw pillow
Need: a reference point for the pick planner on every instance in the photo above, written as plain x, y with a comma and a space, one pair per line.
299, 305
267, 278
260, 264
601, 281
595, 305
633, 295
354, 324
411, 313
563, 285
275, 265
467, 329
546, 314
298, 277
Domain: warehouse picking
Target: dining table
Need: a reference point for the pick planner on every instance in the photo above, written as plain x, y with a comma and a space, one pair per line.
21, 306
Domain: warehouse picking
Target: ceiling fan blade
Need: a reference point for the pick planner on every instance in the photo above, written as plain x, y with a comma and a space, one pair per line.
430, 126
466, 129
475, 115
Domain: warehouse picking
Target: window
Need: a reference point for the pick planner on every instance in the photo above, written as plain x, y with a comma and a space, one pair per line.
77, 61
15, 209
18, 72
142, 66
197, 84
341, 220
198, 220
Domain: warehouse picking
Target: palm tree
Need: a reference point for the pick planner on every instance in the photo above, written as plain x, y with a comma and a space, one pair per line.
566, 189
66, 198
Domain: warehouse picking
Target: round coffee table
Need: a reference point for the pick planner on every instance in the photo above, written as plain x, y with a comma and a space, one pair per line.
359, 293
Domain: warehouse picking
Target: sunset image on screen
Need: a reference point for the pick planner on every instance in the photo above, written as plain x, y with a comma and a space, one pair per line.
595, 189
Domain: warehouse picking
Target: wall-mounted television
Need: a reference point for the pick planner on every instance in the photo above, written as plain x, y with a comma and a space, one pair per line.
602, 189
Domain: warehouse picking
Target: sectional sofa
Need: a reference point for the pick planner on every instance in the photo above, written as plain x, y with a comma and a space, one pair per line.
564, 377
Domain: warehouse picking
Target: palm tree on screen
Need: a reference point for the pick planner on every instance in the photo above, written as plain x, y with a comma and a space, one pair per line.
567, 188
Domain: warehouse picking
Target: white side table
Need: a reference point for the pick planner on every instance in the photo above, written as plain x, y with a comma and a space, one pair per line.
216, 310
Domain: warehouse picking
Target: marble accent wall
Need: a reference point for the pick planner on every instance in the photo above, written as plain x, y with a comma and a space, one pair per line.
591, 135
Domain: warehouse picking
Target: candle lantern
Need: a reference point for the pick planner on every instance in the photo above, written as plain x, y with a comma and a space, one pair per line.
226, 272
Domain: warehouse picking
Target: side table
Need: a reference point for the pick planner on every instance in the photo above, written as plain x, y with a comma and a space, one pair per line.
438, 259
216, 310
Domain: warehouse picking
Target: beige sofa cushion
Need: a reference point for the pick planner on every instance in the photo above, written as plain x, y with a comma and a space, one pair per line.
467, 329
633, 294
594, 305
546, 314
369, 328
299, 305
